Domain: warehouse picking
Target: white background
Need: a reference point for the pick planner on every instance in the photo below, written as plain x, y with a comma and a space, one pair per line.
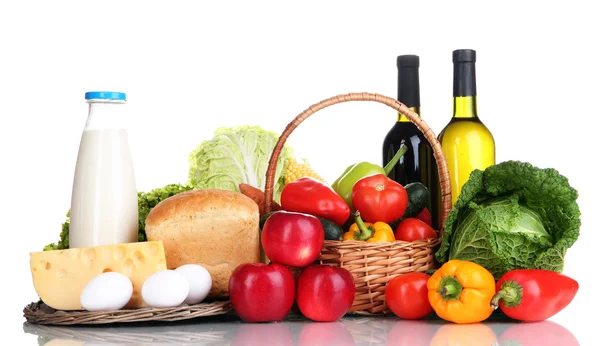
190, 67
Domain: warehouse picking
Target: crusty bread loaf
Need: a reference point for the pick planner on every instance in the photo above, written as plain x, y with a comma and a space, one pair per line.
217, 229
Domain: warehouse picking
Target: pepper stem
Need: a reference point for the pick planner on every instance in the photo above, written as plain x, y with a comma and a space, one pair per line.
510, 293
390, 165
450, 288
365, 232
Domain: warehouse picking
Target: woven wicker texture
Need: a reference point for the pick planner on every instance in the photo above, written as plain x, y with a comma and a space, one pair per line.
40, 313
373, 264
185, 333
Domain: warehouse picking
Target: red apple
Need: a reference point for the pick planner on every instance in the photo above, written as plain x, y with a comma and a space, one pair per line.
261, 292
325, 293
257, 334
293, 239
325, 334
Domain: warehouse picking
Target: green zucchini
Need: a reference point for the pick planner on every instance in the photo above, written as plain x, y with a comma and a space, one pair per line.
332, 230
418, 199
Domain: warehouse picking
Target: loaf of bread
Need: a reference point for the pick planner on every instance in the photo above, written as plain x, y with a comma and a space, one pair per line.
217, 229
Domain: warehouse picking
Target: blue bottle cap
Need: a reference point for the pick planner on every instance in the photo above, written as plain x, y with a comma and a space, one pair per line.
105, 95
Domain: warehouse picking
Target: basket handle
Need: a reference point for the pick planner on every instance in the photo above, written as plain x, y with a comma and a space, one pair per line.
442, 166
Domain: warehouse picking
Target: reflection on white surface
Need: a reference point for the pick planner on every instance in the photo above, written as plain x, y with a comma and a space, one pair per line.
298, 331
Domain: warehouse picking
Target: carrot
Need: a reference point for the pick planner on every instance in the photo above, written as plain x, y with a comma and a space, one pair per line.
258, 196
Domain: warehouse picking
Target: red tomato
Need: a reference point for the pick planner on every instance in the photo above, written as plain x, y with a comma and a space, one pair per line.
407, 296
412, 229
425, 216
379, 198
411, 333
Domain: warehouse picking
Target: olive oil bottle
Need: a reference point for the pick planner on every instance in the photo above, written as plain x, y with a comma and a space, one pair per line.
466, 142
417, 164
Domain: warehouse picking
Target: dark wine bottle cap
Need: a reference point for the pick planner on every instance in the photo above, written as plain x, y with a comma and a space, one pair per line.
407, 61
463, 55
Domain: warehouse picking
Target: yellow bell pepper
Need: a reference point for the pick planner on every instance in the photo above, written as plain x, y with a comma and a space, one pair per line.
461, 292
464, 334
378, 232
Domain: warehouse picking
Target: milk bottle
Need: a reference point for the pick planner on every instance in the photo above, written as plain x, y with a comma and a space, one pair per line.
104, 208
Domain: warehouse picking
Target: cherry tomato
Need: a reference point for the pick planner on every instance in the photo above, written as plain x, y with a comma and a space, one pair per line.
407, 296
412, 229
379, 198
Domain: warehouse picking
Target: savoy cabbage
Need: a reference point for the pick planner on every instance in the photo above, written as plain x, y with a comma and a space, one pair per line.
510, 216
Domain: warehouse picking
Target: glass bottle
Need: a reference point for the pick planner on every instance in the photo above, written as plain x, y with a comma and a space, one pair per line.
104, 205
466, 142
418, 163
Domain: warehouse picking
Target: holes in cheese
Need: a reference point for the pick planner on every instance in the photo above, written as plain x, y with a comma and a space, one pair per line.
65, 273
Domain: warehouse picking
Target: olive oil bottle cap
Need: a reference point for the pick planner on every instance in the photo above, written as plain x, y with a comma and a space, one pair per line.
463, 55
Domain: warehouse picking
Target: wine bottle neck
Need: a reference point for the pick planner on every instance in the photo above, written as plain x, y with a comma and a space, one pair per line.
408, 86
464, 79
465, 107
403, 119
465, 90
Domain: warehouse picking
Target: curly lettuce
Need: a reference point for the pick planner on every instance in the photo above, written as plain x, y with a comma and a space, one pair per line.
512, 216
146, 201
235, 156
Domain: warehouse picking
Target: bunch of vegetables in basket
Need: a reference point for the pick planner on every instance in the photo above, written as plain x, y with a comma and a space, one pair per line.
363, 204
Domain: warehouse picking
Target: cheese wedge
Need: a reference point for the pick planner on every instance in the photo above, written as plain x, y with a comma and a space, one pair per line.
60, 276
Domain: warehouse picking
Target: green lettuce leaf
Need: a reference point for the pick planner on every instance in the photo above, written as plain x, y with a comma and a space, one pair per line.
235, 156
512, 215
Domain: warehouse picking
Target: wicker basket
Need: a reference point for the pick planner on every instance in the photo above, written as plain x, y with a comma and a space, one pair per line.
373, 264
40, 313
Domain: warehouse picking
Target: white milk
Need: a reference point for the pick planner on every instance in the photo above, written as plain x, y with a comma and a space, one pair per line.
104, 203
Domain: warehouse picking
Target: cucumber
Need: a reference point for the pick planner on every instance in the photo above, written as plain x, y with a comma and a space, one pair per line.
418, 199
332, 230
264, 218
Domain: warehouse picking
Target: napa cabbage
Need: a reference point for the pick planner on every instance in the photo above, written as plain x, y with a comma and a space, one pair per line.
235, 156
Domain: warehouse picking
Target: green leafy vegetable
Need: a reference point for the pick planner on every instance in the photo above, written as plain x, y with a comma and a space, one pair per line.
512, 215
63, 242
235, 156
149, 200
146, 201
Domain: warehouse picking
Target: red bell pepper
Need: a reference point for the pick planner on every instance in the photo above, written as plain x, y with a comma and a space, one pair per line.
533, 294
545, 333
379, 198
424, 216
310, 196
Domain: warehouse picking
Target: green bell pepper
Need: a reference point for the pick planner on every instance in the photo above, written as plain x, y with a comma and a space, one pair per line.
344, 183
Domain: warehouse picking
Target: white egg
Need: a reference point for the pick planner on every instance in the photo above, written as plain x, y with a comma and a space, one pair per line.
107, 291
165, 289
200, 282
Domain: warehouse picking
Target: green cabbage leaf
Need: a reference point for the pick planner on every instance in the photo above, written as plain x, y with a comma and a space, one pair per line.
235, 156
512, 216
